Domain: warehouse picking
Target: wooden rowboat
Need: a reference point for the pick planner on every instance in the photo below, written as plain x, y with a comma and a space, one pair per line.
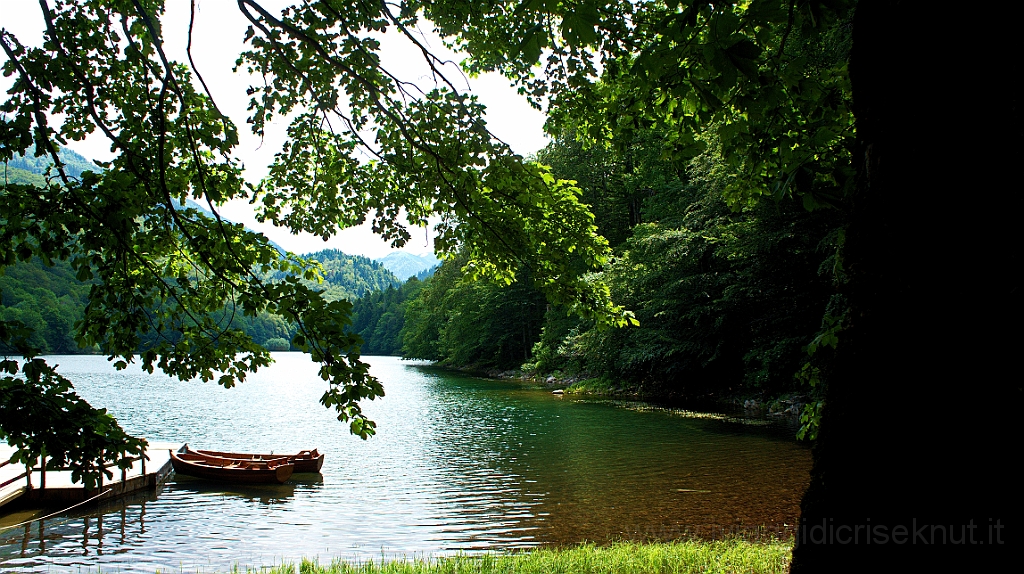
304, 461
199, 465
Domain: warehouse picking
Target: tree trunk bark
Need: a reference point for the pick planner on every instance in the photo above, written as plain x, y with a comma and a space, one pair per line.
914, 464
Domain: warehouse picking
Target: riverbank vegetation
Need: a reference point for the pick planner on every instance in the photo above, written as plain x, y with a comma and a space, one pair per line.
683, 557
727, 298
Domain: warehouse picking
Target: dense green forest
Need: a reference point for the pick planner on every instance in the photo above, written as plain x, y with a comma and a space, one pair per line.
379, 317
48, 298
349, 276
728, 297
15, 175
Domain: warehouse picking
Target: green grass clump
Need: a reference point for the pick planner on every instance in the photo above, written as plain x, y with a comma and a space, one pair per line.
727, 556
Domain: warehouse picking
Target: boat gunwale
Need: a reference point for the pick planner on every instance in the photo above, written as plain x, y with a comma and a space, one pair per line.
231, 472
305, 461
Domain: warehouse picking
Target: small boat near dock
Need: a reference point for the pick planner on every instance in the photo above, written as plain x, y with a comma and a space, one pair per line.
200, 465
304, 461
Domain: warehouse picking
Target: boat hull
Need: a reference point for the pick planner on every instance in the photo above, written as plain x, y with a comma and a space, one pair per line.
225, 470
304, 461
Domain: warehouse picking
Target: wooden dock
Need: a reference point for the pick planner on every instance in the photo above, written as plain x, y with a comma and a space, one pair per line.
55, 487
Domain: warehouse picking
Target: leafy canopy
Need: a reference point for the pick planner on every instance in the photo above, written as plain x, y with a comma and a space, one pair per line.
767, 77
157, 267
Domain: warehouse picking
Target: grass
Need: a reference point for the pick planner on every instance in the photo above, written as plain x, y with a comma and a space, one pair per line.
727, 556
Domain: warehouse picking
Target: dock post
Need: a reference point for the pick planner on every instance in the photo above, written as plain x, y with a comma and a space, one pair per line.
42, 475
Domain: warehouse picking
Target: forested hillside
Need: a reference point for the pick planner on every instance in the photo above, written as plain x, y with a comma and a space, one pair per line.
15, 175
48, 298
727, 297
75, 164
350, 276
379, 317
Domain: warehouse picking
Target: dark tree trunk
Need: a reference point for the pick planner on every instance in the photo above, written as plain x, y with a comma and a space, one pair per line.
920, 427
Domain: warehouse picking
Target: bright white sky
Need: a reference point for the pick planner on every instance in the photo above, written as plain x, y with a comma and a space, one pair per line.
217, 41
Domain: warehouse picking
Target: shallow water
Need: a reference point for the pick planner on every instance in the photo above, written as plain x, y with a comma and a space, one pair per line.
458, 464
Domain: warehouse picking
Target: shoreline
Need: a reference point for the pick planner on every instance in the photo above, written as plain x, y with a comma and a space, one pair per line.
783, 407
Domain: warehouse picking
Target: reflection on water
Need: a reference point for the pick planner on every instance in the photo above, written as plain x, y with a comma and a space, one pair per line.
459, 464
77, 538
264, 493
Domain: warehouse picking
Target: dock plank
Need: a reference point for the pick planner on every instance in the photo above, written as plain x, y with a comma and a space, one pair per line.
61, 489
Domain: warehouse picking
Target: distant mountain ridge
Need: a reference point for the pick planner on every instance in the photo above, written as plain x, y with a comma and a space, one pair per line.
345, 276
74, 163
405, 265
31, 170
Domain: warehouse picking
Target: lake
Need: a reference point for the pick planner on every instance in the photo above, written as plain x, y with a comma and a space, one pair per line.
458, 464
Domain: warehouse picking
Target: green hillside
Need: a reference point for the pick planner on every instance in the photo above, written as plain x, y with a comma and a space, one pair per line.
20, 176
351, 276
49, 299
74, 164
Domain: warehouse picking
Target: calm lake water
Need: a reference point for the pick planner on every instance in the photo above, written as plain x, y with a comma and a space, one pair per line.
458, 464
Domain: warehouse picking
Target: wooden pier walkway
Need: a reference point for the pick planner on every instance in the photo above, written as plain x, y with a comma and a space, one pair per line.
54, 487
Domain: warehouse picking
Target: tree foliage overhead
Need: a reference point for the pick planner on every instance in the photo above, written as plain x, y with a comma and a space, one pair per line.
770, 76
727, 300
158, 267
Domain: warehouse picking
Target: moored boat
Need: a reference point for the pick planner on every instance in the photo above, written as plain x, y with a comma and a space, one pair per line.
199, 465
304, 461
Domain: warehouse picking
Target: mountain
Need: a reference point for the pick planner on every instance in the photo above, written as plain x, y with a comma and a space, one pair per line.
405, 265
21, 176
74, 163
30, 170
350, 276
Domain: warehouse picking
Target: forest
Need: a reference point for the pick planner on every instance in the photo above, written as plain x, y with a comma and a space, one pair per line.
729, 299
49, 298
